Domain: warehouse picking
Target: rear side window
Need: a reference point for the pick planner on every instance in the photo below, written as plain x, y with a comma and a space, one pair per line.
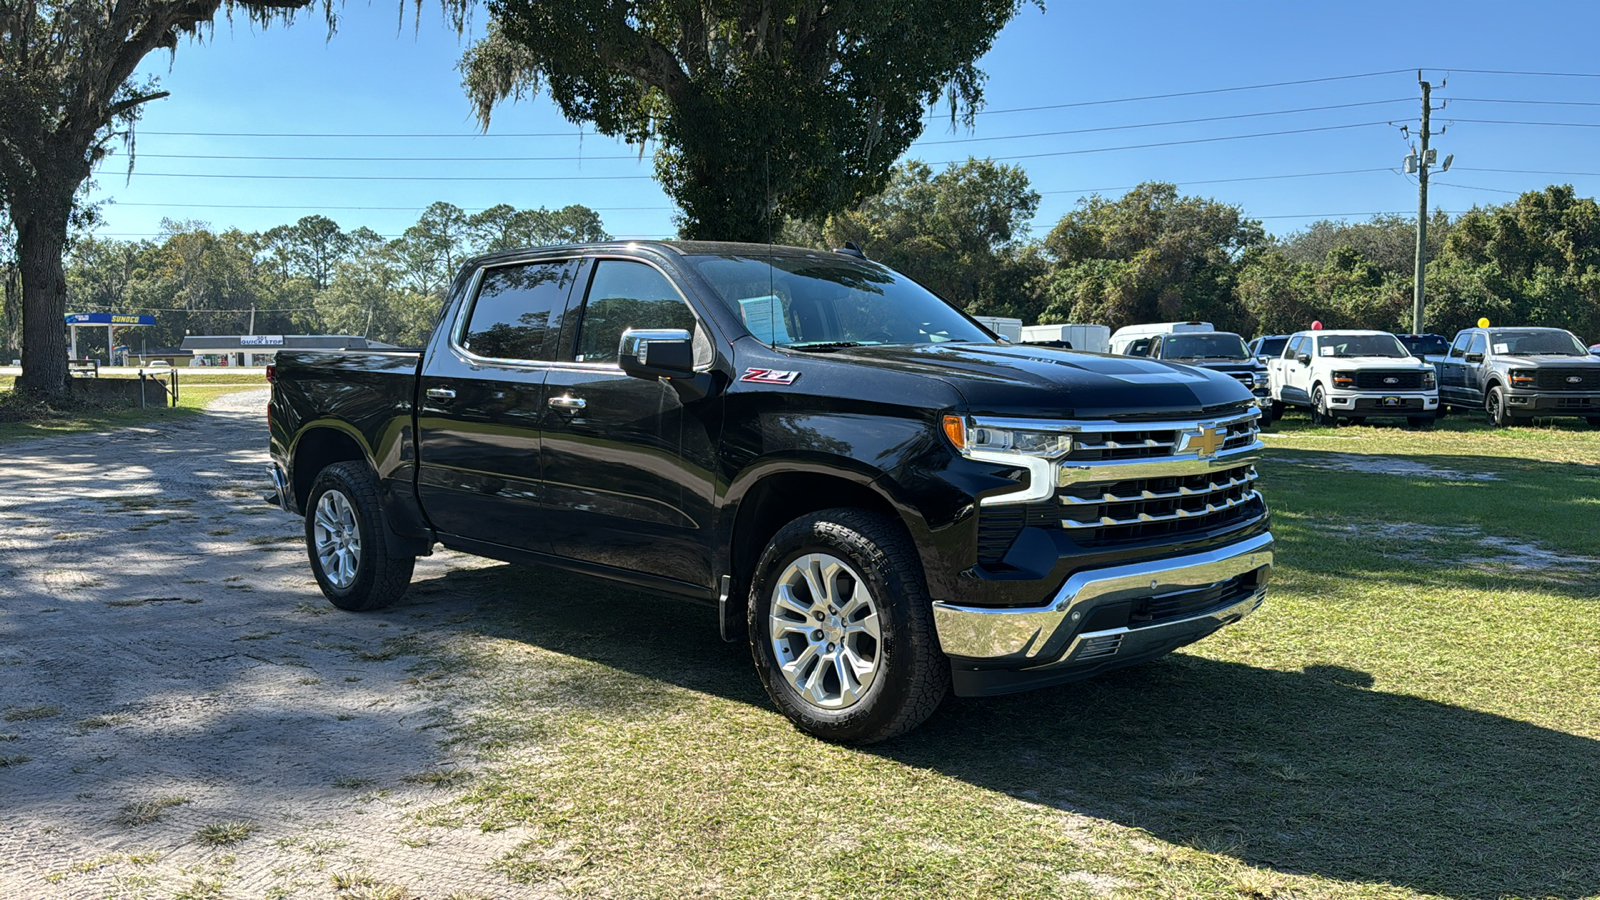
517, 312
623, 295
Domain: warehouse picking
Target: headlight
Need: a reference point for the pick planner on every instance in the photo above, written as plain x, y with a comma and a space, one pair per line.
1428, 380
1521, 378
990, 438
1344, 379
1259, 378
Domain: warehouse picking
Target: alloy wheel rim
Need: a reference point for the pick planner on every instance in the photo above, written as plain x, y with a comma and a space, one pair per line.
824, 630
337, 539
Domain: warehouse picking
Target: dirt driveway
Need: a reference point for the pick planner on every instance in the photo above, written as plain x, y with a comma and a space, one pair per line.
182, 714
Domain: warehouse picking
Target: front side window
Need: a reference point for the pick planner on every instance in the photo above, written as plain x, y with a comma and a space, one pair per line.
625, 294
517, 312
825, 301
1478, 344
1459, 348
1296, 347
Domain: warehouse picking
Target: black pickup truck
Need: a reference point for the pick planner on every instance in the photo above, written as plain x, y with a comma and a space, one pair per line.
1219, 351
1516, 374
879, 496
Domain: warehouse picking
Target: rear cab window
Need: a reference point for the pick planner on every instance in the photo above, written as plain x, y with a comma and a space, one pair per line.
516, 311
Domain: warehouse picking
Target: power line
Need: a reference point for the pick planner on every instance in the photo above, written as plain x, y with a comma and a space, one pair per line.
415, 208
1233, 137
1454, 120
1525, 171
1247, 87
1473, 187
1507, 72
399, 177
1524, 102
1280, 112
1228, 180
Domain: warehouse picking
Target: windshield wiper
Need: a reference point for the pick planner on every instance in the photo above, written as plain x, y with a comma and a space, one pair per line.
824, 346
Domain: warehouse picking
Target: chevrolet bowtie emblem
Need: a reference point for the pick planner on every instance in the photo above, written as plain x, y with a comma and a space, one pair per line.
1203, 443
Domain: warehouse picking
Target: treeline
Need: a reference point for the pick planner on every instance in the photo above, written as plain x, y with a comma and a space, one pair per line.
1154, 255
1151, 255
306, 278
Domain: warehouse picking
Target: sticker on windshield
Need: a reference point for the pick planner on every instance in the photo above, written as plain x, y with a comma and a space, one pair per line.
1327, 351
1502, 349
769, 376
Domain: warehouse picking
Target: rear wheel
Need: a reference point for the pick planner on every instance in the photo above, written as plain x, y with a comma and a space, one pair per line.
347, 543
841, 627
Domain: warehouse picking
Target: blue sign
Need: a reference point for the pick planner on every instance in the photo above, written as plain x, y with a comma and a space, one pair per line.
109, 319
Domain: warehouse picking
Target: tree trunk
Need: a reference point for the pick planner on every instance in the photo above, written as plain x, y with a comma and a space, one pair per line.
42, 239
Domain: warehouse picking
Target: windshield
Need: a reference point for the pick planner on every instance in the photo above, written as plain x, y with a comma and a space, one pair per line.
1203, 346
1272, 346
1425, 344
1552, 342
826, 301
1347, 345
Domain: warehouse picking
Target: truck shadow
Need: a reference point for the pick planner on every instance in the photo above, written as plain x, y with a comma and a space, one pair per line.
1307, 772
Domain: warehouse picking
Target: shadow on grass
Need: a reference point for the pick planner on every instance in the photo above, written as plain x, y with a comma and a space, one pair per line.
1304, 772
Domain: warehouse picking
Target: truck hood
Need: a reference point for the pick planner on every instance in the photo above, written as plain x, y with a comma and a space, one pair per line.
1223, 365
1584, 362
1377, 362
1048, 383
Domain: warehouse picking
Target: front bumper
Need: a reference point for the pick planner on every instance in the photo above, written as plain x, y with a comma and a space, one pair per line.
1373, 403
1554, 403
1103, 618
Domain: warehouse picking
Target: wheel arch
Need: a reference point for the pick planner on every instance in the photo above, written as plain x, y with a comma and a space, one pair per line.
773, 498
318, 446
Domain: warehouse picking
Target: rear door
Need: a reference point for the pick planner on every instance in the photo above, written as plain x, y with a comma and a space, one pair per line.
1453, 371
480, 401
627, 463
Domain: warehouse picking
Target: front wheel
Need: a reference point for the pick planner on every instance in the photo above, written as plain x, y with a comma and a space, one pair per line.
347, 543
1495, 405
841, 627
1320, 415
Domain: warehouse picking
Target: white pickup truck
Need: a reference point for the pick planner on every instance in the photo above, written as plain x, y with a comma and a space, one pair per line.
1346, 376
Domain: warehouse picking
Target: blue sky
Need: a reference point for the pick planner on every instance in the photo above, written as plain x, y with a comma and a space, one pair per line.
378, 77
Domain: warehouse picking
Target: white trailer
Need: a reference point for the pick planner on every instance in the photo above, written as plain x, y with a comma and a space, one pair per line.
1093, 338
1010, 329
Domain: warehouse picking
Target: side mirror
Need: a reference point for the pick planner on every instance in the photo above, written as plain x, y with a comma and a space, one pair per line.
1303, 359
1473, 357
656, 353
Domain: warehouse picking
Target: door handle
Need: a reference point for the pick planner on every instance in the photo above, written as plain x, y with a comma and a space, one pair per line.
441, 394
570, 404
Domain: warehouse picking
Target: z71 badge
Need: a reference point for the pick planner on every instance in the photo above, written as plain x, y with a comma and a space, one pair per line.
769, 376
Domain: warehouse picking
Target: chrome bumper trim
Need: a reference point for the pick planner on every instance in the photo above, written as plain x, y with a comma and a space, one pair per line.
1035, 637
280, 488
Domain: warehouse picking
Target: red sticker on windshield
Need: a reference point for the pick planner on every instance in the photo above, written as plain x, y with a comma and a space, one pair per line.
769, 376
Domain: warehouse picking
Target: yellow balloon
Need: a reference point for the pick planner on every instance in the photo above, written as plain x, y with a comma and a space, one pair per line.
1483, 323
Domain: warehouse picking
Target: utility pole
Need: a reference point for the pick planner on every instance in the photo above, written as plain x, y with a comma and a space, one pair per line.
1419, 162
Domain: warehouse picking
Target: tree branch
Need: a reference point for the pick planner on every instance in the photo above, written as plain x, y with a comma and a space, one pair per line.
118, 109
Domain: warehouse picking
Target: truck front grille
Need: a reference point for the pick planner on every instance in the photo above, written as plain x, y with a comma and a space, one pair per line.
1558, 379
1117, 512
1379, 381
1134, 483
1152, 443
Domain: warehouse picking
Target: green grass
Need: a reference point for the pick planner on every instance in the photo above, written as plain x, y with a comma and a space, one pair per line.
1414, 713
194, 392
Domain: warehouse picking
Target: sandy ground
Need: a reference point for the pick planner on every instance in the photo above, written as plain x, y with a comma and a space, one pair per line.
169, 670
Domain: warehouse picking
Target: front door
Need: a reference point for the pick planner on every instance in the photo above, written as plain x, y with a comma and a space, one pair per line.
627, 463
1453, 371
480, 401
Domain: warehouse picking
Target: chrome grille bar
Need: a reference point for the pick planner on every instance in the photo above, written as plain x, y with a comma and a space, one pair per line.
1143, 518
1248, 476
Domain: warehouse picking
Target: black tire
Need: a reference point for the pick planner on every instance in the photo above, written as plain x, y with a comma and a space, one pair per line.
1277, 410
909, 674
1593, 420
1266, 416
1320, 415
1494, 403
378, 576
1420, 423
